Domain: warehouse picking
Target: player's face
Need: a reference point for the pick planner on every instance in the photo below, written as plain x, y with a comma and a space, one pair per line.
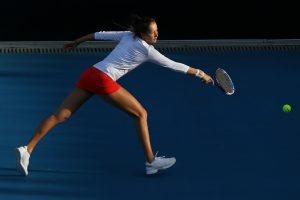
151, 36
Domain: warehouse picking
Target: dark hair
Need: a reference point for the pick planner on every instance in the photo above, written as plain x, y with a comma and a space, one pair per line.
139, 25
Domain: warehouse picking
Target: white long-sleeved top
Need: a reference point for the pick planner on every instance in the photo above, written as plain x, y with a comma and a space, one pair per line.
129, 53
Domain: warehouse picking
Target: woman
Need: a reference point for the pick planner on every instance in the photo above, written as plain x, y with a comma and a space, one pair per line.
134, 48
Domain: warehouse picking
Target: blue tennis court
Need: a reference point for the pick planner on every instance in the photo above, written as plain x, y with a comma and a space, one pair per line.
227, 147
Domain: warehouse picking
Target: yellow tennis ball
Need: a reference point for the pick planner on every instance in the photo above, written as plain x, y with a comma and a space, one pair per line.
286, 108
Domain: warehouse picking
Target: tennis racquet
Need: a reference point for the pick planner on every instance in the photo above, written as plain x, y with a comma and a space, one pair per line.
224, 82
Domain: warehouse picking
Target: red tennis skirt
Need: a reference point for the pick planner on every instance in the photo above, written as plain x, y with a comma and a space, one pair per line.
96, 81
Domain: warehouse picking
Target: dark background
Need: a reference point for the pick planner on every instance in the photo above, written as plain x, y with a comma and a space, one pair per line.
186, 19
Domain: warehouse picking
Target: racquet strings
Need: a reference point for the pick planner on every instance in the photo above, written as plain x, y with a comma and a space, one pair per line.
224, 81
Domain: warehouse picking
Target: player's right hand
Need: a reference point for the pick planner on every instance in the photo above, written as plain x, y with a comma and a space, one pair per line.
207, 79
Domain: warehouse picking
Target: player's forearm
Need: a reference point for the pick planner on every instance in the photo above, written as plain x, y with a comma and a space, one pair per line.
84, 38
195, 72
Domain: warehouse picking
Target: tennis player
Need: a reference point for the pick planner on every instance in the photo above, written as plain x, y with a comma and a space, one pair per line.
135, 46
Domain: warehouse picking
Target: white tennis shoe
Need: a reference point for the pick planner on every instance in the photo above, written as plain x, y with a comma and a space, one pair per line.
159, 163
22, 156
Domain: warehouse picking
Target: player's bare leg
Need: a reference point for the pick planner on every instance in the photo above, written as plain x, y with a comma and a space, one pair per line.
126, 102
69, 106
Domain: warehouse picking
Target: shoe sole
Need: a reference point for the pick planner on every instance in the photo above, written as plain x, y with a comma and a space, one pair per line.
154, 171
20, 167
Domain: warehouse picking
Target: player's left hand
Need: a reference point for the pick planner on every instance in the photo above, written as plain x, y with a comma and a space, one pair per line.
70, 45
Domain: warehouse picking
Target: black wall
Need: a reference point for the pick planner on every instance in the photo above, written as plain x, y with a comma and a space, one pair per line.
186, 19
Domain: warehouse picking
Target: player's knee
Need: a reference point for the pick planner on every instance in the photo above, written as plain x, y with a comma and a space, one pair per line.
62, 115
141, 114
